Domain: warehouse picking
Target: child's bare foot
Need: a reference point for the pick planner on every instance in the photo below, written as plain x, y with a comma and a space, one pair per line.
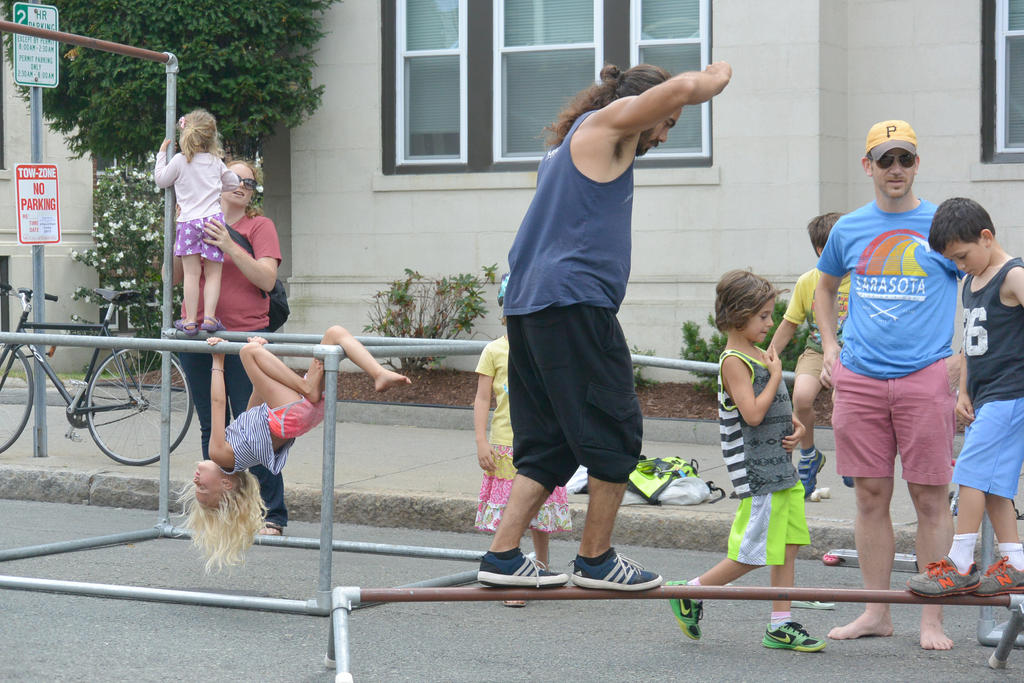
387, 379
867, 624
315, 380
257, 340
213, 341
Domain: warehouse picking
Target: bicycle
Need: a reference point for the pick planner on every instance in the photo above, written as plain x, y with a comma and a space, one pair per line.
118, 399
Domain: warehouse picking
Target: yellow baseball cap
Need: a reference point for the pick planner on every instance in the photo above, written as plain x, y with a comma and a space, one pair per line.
886, 135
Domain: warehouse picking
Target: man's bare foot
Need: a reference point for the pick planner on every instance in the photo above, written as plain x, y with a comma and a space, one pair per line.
867, 624
387, 379
933, 637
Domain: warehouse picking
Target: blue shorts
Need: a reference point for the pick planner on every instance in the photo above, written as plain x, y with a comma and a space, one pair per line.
993, 451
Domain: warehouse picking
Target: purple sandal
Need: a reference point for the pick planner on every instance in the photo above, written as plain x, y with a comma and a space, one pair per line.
211, 325
189, 327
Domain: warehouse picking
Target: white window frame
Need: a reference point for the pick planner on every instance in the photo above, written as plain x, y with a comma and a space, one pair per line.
499, 51
1002, 34
401, 158
636, 42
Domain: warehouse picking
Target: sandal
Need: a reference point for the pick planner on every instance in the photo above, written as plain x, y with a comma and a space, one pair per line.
271, 529
514, 603
189, 327
208, 326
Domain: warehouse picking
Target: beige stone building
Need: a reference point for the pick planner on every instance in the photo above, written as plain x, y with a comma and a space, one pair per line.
423, 153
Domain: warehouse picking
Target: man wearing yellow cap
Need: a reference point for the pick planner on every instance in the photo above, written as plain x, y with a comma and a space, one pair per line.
893, 392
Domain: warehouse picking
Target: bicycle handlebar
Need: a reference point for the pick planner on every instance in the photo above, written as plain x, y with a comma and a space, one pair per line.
8, 290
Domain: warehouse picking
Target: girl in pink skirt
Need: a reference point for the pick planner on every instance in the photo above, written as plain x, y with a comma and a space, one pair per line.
199, 176
495, 454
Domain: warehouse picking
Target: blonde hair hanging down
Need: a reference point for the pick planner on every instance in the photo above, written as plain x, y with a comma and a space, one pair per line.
199, 134
224, 534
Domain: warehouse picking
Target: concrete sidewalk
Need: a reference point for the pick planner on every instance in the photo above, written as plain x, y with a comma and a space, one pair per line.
415, 467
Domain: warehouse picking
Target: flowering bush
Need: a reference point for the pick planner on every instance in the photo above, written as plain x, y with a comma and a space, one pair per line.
128, 234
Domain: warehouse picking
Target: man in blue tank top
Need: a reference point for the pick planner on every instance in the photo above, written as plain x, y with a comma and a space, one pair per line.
570, 380
893, 387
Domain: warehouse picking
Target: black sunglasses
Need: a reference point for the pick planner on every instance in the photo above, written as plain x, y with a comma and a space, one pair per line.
907, 160
250, 184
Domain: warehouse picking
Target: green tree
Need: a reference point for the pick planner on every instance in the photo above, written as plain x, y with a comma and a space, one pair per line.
249, 63
129, 242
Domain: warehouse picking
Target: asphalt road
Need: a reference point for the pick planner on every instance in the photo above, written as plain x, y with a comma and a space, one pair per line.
50, 637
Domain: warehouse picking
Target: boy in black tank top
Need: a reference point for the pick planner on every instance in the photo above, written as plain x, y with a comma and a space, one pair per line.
991, 400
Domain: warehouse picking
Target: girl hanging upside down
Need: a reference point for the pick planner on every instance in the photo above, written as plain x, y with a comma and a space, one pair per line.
222, 504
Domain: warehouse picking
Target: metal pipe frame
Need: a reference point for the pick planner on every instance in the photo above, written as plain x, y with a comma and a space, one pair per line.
767, 593
106, 590
348, 598
331, 355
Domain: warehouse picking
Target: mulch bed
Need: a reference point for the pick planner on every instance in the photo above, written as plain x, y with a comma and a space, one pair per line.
448, 387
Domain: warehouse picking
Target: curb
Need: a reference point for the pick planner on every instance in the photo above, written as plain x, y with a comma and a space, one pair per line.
683, 528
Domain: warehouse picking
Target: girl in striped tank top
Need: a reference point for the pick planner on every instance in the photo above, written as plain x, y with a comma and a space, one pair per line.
222, 504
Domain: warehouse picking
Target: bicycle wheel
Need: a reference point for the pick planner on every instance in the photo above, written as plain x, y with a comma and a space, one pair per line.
15, 394
123, 406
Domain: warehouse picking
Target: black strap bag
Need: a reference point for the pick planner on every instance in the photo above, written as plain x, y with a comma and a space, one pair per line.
279, 310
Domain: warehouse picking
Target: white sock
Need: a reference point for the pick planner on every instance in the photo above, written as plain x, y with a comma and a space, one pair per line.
779, 618
1014, 553
962, 551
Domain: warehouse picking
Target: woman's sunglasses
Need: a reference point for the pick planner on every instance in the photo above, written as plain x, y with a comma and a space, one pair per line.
251, 185
907, 160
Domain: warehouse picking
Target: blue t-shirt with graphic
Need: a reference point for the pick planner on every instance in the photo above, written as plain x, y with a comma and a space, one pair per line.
902, 293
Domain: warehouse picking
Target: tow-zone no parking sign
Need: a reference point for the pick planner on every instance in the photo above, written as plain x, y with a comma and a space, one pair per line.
38, 204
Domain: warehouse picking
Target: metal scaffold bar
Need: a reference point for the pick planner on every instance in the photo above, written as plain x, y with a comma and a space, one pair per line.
85, 41
665, 592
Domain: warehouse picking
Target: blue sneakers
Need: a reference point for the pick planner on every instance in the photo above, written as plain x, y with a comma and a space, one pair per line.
808, 469
518, 571
615, 573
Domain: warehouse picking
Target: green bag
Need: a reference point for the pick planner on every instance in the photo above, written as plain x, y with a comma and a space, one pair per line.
653, 475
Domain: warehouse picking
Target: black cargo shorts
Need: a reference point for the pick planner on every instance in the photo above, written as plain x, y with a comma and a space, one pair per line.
571, 395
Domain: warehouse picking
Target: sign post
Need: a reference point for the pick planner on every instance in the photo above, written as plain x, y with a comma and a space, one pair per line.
35, 59
35, 66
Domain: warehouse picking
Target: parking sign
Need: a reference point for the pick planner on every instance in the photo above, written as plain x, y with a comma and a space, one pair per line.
35, 59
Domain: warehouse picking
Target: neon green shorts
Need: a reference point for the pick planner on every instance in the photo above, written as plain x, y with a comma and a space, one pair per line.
765, 525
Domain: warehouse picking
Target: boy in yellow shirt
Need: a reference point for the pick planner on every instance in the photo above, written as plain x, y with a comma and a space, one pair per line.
808, 366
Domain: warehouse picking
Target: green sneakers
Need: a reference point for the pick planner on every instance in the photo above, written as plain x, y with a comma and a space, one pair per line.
788, 636
688, 612
791, 636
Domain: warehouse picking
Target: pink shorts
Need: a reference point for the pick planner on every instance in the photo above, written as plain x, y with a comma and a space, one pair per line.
295, 419
873, 419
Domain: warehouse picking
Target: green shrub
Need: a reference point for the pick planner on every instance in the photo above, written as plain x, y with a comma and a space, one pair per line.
695, 347
420, 308
128, 224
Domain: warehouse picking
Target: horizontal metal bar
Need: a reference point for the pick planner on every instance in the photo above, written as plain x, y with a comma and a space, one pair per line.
175, 345
355, 547
79, 544
663, 593
163, 595
309, 346
85, 41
